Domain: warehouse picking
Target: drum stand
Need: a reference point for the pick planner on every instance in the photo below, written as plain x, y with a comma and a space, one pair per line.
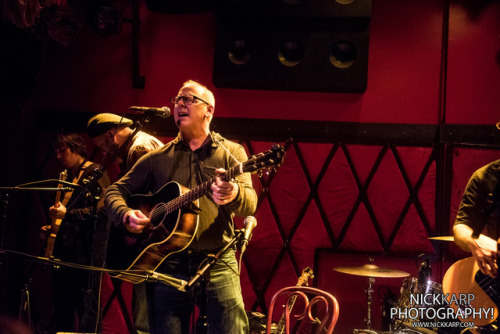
371, 271
368, 319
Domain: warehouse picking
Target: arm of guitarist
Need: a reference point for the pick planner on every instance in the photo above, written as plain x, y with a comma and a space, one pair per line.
483, 248
118, 193
469, 225
81, 212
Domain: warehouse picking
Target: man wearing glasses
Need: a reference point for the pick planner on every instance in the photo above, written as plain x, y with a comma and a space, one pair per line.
195, 156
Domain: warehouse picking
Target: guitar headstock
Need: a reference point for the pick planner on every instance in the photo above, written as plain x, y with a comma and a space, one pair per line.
63, 175
272, 158
307, 274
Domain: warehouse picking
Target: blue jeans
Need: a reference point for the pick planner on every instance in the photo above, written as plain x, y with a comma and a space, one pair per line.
171, 310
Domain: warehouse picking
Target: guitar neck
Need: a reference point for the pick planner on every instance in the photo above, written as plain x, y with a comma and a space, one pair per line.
272, 158
200, 191
281, 324
56, 222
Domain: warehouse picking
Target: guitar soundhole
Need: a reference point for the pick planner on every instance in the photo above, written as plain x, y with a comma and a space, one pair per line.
157, 216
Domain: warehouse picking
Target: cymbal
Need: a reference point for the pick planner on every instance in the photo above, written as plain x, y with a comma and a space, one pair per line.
443, 238
372, 270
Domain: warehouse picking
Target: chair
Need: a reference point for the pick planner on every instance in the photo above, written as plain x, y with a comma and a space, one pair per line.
327, 305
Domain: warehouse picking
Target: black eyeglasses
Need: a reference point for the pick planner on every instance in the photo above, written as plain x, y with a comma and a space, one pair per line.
187, 99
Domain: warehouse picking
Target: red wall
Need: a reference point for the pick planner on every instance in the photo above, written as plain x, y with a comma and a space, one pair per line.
473, 80
94, 74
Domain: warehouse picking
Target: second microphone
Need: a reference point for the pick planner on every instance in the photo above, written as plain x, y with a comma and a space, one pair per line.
162, 112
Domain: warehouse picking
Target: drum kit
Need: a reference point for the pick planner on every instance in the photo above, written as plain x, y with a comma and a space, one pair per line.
411, 286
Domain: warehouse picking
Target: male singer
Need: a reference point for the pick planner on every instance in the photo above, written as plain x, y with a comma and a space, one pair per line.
195, 156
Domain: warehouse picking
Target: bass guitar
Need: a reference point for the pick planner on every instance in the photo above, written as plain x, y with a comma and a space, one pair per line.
174, 220
479, 291
56, 222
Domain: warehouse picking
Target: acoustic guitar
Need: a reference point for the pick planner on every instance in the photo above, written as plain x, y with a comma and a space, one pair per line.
56, 222
174, 220
463, 278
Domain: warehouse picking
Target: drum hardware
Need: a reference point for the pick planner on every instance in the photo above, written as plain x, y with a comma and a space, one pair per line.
371, 271
417, 287
443, 238
389, 299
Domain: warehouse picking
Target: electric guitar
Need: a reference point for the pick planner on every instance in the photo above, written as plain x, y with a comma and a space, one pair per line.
307, 274
174, 220
56, 222
464, 278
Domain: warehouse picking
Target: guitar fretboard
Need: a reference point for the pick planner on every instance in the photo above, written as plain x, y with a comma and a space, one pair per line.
197, 192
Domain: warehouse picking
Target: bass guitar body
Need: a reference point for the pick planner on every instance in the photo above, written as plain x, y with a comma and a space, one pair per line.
170, 231
464, 278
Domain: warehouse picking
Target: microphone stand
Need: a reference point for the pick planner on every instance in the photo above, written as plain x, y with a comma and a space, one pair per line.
25, 303
202, 324
89, 187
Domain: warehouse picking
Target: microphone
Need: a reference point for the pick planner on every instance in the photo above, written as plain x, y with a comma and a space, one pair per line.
163, 112
424, 272
250, 223
177, 283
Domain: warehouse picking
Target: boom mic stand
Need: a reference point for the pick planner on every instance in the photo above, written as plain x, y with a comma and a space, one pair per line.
89, 187
25, 306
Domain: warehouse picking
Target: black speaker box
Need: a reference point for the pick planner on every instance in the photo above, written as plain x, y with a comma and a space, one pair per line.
308, 46
296, 8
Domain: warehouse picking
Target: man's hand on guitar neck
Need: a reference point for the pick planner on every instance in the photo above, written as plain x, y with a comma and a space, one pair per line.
223, 192
135, 221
